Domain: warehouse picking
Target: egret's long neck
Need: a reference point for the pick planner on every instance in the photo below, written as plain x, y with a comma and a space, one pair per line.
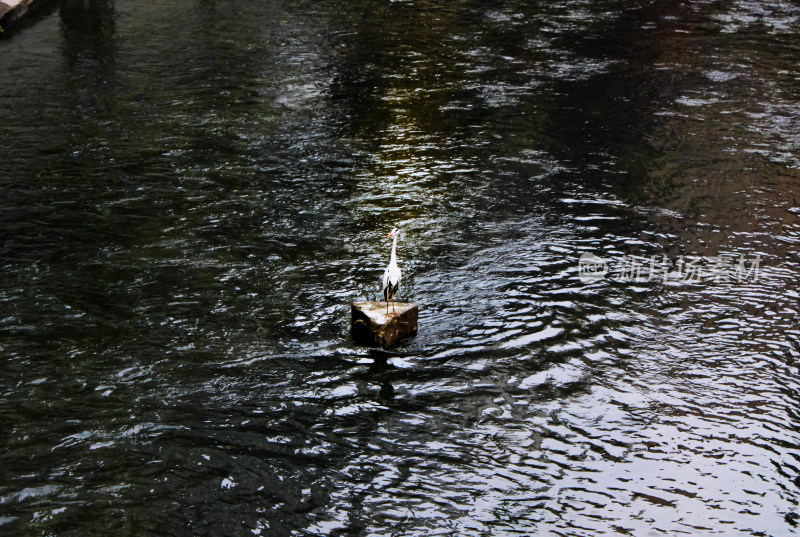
393, 260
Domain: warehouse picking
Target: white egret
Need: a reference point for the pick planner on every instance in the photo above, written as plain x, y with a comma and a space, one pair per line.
392, 275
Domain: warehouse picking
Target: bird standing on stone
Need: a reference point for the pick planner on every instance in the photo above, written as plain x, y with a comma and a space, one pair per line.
392, 275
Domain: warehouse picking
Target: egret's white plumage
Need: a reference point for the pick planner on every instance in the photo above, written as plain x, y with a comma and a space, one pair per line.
392, 275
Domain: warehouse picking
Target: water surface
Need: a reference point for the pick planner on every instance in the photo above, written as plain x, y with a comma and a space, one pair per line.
192, 193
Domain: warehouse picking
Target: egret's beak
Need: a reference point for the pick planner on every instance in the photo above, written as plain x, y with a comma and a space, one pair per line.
390, 234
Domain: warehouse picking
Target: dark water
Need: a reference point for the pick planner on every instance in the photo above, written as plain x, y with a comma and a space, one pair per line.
193, 192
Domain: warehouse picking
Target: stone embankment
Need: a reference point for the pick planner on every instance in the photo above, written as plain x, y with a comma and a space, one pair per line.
12, 10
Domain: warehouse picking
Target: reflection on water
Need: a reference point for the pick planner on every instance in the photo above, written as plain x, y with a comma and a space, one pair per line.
193, 192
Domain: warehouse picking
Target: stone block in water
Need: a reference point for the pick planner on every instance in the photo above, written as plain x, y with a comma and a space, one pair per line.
371, 325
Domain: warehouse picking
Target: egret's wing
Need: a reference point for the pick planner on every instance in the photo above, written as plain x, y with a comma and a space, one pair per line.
392, 276
385, 279
398, 275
